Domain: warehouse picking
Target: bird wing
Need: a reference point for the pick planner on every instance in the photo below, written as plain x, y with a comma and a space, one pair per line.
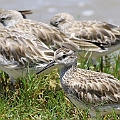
17, 47
96, 32
51, 36
94, 87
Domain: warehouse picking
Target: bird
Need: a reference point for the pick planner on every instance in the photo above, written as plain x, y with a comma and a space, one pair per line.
103, 34
96, 91
49, 39
49, 35
25, 12
14, 20
21, 54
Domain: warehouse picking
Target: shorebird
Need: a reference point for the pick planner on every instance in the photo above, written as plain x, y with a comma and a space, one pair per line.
45, 33
102, 34
98, 92
14, 20
21, 53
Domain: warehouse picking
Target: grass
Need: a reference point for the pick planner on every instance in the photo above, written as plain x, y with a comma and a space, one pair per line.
42, 98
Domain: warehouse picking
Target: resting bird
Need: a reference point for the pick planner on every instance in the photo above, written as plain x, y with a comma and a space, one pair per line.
21, 53
49, 35
102, 34
33, 41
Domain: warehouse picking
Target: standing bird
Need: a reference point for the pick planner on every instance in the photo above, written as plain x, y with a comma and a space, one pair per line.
102, 34
98, 92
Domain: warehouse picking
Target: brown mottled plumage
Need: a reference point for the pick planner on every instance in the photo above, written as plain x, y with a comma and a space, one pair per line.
45, 33
102, 34
98, 92
22, 52
25, 41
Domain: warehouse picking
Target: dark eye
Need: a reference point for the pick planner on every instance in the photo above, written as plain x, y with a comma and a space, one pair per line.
2, 19
64, 56
56, 22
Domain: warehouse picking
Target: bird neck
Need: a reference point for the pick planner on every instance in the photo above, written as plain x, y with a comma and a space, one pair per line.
64, 69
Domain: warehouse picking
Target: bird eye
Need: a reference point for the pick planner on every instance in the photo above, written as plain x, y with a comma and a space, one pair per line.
56, 22
64, 56
2, 19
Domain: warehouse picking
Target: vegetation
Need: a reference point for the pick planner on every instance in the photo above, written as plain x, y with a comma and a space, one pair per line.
42, 98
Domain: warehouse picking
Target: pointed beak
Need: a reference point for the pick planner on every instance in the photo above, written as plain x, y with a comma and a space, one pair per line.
52, 63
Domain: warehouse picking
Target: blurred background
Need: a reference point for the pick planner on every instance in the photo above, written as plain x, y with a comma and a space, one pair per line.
44, 10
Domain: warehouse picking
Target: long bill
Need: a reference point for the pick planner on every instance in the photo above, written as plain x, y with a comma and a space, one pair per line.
52, 63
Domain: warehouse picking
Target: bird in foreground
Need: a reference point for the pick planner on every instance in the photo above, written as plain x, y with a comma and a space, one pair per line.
96, 91
47, 34
102, 34
21, 53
